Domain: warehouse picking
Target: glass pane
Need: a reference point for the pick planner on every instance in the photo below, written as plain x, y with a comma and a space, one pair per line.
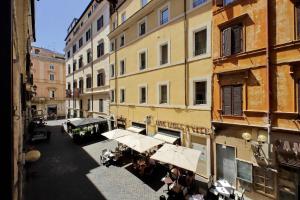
200, 93
200, 42
164, 18
164, 54
198, 2
163, 94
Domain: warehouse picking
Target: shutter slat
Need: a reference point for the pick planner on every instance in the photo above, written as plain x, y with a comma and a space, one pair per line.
237, 38
237, 100
227, 42
227, 100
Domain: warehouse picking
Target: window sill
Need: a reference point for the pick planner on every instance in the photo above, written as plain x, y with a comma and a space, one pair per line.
199, 57
200, 107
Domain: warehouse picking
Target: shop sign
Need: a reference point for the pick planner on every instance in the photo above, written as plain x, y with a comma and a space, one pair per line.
184, 127
288, 147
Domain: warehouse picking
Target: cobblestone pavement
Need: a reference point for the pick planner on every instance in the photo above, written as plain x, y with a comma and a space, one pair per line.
69, 171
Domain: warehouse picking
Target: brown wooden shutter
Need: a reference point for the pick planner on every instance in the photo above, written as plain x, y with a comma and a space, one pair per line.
226, 100
219, 3
298, 19
237, 100
226, 37
237, 39
299, 96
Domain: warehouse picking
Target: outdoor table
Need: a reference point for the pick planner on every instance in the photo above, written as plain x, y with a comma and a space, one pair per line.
197, 197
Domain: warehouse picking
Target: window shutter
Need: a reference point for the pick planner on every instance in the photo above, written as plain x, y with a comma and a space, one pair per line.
299, 96
226, 100
226, 42
237, 39
237, 100
219, 3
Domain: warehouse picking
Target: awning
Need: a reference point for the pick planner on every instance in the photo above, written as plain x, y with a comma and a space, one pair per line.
166, 137
86, 121
135, 129
139, 142
116, 133
179, 156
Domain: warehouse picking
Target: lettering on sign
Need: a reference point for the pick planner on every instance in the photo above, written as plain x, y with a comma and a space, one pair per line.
183, 127
287, 146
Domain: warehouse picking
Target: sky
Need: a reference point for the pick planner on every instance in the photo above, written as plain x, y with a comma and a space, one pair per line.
53, 18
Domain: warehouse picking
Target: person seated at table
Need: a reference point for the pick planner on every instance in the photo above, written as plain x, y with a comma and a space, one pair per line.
174, 173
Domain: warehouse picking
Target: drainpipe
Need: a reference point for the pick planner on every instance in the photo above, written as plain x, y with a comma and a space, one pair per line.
186, 69
268, 78
116, 70
92, 65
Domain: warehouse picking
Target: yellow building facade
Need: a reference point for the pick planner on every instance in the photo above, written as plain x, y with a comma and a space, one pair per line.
160, 70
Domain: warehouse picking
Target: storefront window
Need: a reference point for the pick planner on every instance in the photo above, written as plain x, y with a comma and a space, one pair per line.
264, 181
226, 168
288, 183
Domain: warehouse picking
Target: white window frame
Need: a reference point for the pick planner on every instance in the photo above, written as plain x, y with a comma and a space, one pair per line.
120, 96
144, 20
110, 71
205, 3
112, 100
51, 67
159, 52
207, 26
167, 5
139, 59
159, 84
124, 60
192, 95
122, 35
140, 93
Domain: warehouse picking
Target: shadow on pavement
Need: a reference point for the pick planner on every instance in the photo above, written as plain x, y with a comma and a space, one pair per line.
60, 173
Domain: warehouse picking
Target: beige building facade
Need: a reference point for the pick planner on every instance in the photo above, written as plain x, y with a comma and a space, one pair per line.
48, 77
23, 33
160, 71
87, 62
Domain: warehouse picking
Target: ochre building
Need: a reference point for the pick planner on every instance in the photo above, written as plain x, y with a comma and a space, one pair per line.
49, 79
160, 71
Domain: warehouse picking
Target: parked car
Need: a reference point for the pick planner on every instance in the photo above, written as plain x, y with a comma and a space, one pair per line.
40, 133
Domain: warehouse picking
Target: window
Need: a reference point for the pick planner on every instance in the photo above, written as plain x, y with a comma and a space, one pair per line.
143, 95
100, 49
69, 86
112, 46
123, 17
74, 48
100, 79
226, 2
75, 84
198, 2
51, 77
232, 40
164, 15
88, 82
69, 69
264, 181
122, 67
200, 92
51, 67
100, 23
90, 13
80, 85
89, 56
36, 51
200, 42
80, 42
112, 70
142, 28
232, 100
163, 94
88, 35
143, 60
114, 25
122, 40
244, 171
298, 21
74, 65
144, 2
69, 54
164, 54
112, 96
80, 62
122, 95
89, 104
100, 105
52, 94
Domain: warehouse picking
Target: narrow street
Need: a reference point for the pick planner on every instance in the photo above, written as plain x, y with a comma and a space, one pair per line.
70, 171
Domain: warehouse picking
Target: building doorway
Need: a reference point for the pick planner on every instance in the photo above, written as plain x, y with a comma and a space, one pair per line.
52, 111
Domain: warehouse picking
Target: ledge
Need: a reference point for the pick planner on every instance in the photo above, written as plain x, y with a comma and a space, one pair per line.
239, 124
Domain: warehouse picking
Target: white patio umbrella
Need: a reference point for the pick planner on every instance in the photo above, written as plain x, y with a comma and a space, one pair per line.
116, 133
179, 156
139, 143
